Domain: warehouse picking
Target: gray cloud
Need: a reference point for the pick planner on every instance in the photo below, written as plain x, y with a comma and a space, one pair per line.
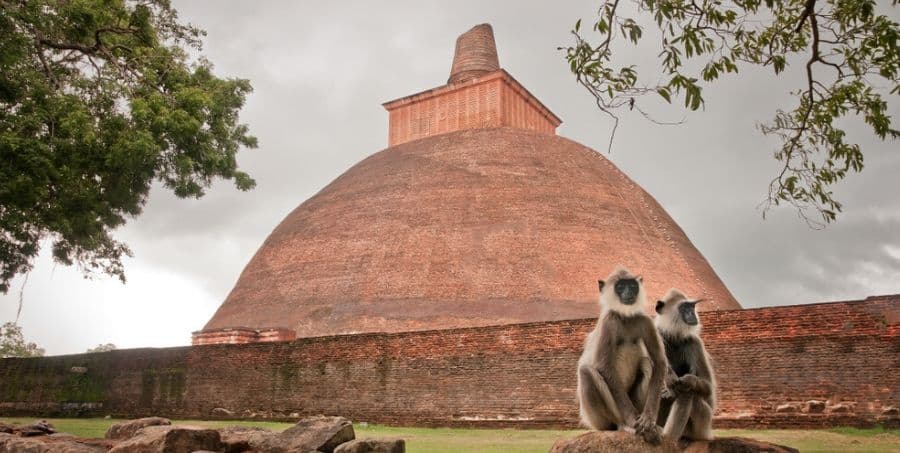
322, 70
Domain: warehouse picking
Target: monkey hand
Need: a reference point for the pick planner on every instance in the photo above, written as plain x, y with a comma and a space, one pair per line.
687, 384
647, 428
667, 393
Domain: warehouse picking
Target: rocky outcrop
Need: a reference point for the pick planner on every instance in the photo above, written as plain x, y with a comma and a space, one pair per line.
10, 443
372, 446
39, 428
734, 445
237, 439
622, 442
319, 433
611, 442
127, 430
170, 439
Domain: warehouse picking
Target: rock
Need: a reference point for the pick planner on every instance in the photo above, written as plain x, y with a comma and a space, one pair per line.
787, 408
6, 428
222, 412
170, 439
295, 415
734, 445
619, 441
237, 439
39, 428
372, 446
890, 411
126, 430
10, 443
840, 408
319, 433
611, 442
814, 407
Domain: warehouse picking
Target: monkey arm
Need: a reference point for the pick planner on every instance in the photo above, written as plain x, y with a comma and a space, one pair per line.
702, 370
660, 368
698, 381
669, 384
646, 425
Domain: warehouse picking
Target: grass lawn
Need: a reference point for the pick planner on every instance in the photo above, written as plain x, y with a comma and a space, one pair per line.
439, 440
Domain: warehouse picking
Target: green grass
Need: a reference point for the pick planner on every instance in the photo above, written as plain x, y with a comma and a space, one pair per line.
441, 440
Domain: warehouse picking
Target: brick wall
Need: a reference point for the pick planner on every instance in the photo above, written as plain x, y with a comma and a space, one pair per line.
492, 100
231, 335
845, 353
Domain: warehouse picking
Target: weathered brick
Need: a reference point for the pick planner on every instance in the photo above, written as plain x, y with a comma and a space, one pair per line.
510, 375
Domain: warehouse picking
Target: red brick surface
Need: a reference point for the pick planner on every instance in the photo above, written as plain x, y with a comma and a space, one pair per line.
475, 54
492, 100
470, 228
478, 95
240, 335
844, 353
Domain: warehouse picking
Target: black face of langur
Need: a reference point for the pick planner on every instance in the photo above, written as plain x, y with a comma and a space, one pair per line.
627, 289
685, 312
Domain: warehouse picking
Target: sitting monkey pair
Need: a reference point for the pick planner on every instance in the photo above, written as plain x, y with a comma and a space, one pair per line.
636, 374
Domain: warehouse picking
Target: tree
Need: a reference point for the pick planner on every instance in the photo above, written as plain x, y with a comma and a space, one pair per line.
12, 343
849, 54
103, 348
99, 99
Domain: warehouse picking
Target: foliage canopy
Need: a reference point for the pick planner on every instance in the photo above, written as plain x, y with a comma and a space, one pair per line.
103, 348
851, 65
13, 344
99, 99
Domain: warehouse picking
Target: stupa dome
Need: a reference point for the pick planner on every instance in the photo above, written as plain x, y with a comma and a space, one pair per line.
476, 214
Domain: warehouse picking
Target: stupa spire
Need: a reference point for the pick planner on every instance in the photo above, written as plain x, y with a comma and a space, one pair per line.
478, 95
475, 55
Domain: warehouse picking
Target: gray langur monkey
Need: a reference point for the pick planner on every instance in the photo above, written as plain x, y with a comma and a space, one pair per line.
622, 368
689, 399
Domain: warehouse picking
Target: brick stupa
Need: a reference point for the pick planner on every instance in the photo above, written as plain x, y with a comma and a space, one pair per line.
476, 214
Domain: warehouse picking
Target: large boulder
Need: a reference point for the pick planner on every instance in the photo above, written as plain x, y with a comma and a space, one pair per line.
611, 442
734, 445
372, 446
318, 433
45, 444
126, 430
238, 439
619, 441
170, 439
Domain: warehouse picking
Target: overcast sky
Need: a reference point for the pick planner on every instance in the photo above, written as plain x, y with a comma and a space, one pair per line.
321, 70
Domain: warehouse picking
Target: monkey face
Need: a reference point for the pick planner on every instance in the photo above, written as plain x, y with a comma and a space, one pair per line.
677, 314
687, 313
627, 289
622, 292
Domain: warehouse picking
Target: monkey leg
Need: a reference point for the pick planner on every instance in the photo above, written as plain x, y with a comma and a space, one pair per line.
701, 420
679, 415
638, 393
597, 406
665, 405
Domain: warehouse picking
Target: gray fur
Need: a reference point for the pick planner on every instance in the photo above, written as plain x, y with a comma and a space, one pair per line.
622, 367
689, 400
